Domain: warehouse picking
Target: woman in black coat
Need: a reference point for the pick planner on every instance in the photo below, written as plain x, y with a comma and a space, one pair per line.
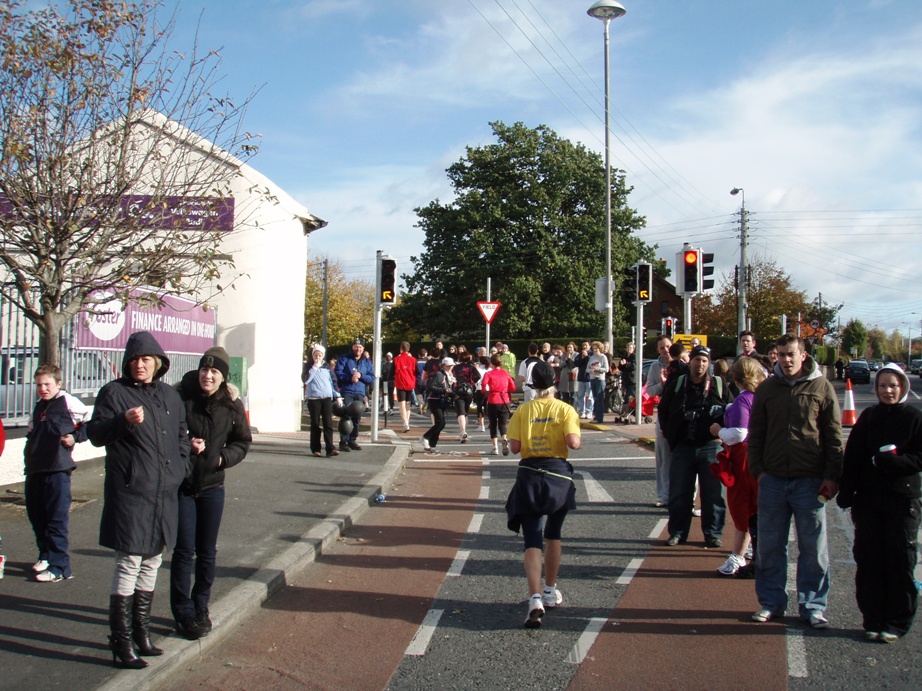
142, 423
220, 437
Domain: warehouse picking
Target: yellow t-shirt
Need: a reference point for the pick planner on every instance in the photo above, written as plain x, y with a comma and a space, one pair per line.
542, 426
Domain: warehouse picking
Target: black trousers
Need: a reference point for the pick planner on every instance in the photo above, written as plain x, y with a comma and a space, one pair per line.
885, 552
321, 410
438, 422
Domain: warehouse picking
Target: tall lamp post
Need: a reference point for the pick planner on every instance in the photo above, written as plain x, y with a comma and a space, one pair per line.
744, 264
606, 10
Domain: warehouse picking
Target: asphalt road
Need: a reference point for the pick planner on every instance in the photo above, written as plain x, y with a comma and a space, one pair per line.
457, 622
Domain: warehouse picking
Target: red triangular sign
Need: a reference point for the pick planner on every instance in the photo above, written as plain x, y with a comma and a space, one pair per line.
489, 310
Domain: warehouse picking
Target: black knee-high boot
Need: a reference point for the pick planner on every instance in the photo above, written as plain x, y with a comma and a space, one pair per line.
141, 620
120, 614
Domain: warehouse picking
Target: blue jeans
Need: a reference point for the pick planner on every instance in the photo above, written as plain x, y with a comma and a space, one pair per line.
780, 499
47, 505
584, 391
196, 547
598, 399
686, 463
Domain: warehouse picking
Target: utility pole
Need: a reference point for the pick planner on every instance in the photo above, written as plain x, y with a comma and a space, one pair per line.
326, 300
742, 297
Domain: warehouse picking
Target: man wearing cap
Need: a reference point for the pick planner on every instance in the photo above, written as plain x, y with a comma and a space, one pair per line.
795, 453
508, 358
690, 404
439, 392
543, 430
354, 374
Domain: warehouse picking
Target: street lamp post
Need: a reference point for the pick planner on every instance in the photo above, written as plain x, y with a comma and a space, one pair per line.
606, 10
743, 272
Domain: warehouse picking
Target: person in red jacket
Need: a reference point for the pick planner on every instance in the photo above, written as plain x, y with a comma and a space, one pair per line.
404, 382
498, 385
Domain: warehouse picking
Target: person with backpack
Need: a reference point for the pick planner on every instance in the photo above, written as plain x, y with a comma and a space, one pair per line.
439, 394
466, 378
525, 368
690, 405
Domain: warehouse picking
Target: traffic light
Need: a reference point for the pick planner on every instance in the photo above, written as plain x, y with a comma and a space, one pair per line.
707, 269
629, 282
668, 327
644, 292
691, 271
387, 288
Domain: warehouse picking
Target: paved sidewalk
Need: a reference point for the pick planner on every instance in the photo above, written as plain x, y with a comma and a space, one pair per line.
282, 507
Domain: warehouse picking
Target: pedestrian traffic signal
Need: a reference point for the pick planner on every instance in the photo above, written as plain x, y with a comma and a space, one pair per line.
667, 328
644, 292
387, 286
707, 269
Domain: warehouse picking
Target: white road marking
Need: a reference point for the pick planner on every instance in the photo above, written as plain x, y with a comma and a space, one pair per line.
585, 641
485, 492
457, 566
476, 522
485, 460
425, 632
595, 493
658, 529
797, 654
485, 475
628, 574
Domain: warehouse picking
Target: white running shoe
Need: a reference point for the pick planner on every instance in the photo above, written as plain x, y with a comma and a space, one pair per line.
505, 447
464, 437
551, 597
535, 612
732, 565
40, 565
425, 442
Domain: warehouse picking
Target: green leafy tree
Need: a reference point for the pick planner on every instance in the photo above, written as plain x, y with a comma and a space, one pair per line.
827, 314
96, 111
528, 213
855, 338
770, 295
879, 343
350, 305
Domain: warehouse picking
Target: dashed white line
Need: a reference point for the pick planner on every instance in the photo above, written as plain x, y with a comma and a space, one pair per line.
658, 528
797, 654
425, 632
485, 475
485, 492
585, 641
476, 522
457, 566
628, 574
595, 493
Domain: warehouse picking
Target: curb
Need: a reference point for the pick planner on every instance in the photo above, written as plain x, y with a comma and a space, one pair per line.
244, 600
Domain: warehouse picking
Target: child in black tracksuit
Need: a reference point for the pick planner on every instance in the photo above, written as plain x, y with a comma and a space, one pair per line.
55, 426
881, 483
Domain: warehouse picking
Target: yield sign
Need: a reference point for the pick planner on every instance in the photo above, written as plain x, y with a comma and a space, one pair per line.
488, 310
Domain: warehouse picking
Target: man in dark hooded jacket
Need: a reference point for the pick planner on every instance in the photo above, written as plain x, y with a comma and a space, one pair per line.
142, 423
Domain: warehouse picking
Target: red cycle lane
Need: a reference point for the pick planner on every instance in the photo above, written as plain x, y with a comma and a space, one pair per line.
681, 626
346, 621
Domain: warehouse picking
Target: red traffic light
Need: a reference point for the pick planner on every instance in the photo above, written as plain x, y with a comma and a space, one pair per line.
691, 256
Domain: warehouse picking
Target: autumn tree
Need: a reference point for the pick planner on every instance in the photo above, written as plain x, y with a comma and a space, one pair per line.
529, 214
350, 304
115, 158
770, 293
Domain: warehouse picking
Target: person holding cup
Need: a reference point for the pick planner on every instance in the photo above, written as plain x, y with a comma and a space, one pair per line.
881, 483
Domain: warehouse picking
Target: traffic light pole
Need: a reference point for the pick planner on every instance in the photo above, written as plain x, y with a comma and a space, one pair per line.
687, 314
638, 365
376, 350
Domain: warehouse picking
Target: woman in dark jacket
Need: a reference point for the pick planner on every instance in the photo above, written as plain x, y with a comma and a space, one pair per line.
142, 423
881, 484
220, 437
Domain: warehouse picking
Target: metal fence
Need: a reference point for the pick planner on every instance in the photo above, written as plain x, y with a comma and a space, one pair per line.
84, 371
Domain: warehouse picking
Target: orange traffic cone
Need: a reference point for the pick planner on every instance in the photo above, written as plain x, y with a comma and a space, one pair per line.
849, 418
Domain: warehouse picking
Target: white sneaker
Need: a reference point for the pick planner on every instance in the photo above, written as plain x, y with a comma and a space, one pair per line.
763, 615
49, 577
483, 429
40, 565
818, 621
696, 513
505, 447
406, 426
425, 442
464, 437
535, 612
551, 597
732, 565
495, 451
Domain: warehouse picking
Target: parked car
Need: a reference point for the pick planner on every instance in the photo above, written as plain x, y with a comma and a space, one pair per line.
915, 366
858, 371
874, 365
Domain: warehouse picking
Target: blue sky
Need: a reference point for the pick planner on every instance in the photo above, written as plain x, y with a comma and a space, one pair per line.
814, 108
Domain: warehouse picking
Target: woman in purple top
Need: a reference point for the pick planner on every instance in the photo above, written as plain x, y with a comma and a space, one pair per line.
732, 467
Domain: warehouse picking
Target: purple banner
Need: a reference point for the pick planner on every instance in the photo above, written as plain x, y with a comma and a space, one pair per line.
178, 213
180, 326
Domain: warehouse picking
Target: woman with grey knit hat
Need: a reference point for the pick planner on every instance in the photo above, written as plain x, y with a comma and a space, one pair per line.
220, 438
